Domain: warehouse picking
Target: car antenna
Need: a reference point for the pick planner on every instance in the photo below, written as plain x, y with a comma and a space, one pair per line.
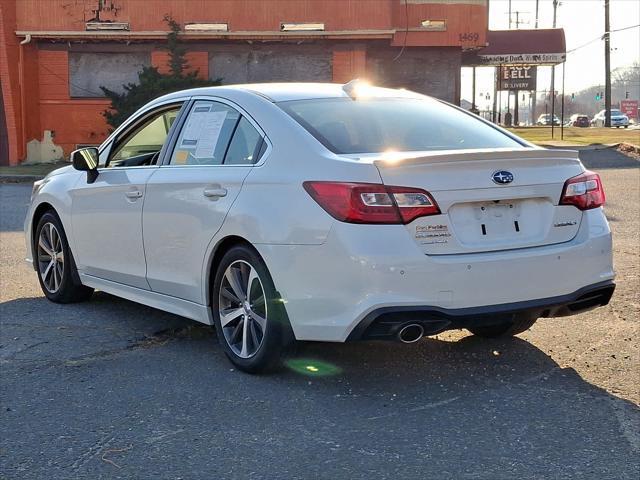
354, 88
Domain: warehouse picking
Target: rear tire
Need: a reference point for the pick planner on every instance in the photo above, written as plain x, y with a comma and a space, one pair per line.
56, 267
249, 316
507, 329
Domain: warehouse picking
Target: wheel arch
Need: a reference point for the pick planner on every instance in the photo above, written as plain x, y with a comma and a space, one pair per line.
221, 247
38, 212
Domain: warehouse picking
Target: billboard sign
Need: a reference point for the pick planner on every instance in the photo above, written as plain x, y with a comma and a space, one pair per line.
521, 77
525, 58
629, 108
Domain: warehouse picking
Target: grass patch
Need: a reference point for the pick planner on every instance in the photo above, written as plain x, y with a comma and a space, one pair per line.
40, 169
579, 136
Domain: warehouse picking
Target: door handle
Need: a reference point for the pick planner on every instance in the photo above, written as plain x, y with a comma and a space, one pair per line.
133, 194
215, 192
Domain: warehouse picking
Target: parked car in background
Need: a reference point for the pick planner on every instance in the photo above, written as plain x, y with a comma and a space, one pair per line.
618, 119
283, 212
579, 120
545, 119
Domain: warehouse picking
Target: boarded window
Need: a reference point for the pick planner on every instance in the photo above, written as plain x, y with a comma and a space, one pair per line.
89, 71
282, 63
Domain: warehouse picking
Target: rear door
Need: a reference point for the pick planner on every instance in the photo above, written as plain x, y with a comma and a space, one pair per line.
189, 196
490, 199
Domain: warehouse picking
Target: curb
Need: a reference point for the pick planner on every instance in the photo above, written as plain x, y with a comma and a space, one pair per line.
20, 178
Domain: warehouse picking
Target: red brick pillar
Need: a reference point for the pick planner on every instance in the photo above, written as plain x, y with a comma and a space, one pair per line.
349, 63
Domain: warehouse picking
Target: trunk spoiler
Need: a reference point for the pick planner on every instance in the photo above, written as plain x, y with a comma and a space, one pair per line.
399, 159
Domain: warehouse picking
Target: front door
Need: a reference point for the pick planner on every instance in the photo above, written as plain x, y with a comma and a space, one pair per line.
107, 214
188, 198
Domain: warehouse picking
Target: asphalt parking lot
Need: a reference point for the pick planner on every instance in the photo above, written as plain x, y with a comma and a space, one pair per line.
111, 389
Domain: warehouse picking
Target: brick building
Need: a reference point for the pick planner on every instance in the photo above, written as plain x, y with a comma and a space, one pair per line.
55, 54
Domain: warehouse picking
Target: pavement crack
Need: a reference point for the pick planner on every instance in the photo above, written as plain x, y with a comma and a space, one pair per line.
418, 408
91, 452
28, 347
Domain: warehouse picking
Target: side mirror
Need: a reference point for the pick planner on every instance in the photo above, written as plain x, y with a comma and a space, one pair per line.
86, 160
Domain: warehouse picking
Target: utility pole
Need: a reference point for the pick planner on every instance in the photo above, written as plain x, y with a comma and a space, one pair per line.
553, 74
607, 67
473, 91
535, 92
508, 91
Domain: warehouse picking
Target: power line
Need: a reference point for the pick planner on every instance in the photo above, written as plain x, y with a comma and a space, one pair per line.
601, 37
406, 31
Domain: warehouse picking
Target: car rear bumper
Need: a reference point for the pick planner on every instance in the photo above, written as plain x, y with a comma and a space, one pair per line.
385, 323
329, 289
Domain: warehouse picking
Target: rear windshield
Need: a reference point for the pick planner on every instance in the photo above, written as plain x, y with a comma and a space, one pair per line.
377, 125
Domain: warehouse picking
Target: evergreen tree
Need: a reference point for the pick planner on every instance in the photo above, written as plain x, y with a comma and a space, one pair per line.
152, 84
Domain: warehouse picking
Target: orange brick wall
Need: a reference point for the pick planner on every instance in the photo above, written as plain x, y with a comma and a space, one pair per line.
266, 15
9, 79
196, 60
72, 121
31, 82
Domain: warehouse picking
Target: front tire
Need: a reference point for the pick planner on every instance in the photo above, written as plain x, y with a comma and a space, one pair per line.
56, 268
249, 316
506, 329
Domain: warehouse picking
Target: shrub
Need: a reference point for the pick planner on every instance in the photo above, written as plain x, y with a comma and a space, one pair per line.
152, 84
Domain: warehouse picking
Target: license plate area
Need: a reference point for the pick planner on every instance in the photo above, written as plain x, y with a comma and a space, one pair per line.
499, 218
501, 223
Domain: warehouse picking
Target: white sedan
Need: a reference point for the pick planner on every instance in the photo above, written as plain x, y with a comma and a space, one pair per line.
618, 119
283, 212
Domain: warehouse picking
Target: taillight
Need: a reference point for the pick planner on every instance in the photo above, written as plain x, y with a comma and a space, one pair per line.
372, 202
584, 191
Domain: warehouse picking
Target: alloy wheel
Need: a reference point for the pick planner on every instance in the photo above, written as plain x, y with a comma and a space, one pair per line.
242, 308
50, 257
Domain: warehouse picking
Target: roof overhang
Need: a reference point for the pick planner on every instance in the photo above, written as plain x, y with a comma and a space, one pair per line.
519, 47
122, 35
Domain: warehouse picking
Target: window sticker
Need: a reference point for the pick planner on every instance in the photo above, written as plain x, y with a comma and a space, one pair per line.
210, 131
180, 157
194, 126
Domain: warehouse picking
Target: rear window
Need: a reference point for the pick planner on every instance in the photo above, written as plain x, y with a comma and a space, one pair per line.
377, 125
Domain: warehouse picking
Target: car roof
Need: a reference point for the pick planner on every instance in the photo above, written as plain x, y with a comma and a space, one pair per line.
282, 92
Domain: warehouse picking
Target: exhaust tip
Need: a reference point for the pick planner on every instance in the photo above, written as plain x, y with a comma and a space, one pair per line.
411, 333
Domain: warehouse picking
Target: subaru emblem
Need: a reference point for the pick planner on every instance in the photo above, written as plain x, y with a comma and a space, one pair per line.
502, 177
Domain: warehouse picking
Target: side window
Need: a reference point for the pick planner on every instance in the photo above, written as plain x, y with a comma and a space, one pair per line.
245, 145
142, 145
205, 134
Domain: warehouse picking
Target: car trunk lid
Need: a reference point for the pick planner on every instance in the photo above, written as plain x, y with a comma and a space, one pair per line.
478, 212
